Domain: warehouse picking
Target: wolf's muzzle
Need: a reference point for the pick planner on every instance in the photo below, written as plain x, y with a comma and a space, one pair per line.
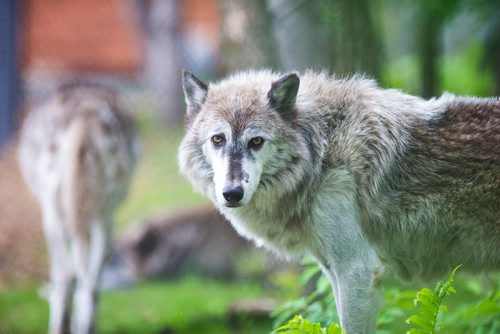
233, 194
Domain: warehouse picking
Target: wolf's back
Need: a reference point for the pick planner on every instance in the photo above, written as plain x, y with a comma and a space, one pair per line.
81, 144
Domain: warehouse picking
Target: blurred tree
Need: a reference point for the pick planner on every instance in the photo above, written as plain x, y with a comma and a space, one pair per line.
340, 35
304, 33
160, 20
359, 46
431, 17
247, 39
492, 46
429, 42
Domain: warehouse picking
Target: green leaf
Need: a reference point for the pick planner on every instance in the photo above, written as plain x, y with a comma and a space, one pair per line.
416, 331
428, 312
428, 297
299, 325
309, 273
422, 322
431, 305
335, 329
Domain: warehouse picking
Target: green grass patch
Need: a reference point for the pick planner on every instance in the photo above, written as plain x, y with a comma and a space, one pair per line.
23, 311
190, 305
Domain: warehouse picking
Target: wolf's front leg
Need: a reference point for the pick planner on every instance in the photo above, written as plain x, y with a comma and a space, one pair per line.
355, 283
357, 295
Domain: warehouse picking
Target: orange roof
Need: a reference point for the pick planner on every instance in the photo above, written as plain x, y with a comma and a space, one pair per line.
202, 15
81, 35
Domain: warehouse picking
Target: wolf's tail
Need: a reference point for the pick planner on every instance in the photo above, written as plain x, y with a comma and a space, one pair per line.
81, 193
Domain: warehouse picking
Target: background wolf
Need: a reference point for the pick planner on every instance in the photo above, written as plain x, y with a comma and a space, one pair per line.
77, 153
357, 176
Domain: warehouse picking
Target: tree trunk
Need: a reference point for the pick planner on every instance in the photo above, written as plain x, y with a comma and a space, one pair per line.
359, 49
304, 34
429, 40
247, 40
162, 70
492, 48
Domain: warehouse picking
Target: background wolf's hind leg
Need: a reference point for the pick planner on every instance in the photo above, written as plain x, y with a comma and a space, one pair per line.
61, 272
89, 254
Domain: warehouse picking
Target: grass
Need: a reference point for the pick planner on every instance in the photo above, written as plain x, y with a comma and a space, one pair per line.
198, 305
190, 305
21, 311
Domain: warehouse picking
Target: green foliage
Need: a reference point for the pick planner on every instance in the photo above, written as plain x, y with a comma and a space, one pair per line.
476, 309
465, 73
460, 74
430, 305
299, 325
481, 316
403, 74
316, 306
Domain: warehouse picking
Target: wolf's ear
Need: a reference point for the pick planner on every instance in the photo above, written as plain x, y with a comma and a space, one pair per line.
283, 94
195, 92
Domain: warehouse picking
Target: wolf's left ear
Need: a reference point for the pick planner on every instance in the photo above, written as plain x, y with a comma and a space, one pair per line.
283, 94
195, 92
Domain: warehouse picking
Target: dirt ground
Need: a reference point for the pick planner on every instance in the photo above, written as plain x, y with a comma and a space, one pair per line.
22, 245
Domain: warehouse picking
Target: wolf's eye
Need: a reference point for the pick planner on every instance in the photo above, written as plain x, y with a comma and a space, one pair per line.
256, 142
218, 140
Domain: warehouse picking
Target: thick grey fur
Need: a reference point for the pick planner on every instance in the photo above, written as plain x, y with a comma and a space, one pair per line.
361, 178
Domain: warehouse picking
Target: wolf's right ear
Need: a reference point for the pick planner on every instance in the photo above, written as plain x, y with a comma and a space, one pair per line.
195, 92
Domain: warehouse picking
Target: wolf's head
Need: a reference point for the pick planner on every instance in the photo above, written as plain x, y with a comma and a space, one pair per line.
240, 135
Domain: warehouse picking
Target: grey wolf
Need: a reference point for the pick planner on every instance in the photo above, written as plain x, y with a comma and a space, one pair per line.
77, 152
166, 245
362, 178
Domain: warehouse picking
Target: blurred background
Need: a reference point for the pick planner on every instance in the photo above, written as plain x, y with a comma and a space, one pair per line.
422, 47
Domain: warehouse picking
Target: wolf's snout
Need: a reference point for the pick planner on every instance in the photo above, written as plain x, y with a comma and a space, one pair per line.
232, 194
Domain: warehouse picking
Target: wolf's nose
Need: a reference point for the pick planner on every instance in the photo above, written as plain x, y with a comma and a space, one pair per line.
232, 194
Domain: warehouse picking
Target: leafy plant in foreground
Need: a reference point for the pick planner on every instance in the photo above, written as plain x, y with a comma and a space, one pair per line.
298, 325
318, 306
430, 305
475, 311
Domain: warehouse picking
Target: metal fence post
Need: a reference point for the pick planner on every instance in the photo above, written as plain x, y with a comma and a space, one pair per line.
9, 71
